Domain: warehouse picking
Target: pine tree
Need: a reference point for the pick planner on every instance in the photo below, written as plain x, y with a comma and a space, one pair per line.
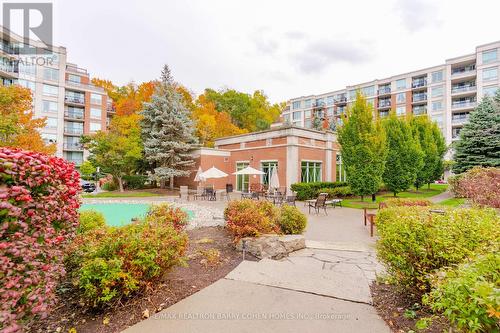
479, 143
167, 132
363, 148
404, 156
422, 131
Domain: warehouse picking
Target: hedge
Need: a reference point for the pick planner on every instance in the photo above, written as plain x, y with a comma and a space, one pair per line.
38, 216
306, 191
135, 182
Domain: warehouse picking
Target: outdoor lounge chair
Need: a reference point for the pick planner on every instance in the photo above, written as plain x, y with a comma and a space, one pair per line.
319, 203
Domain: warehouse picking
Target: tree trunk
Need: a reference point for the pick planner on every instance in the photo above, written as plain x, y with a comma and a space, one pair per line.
428, 186
162, 183
171, 182
120, 183
374, 197
362, 197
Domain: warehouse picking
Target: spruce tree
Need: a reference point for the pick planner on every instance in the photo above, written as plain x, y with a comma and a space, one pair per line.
167, 132
363, 148
422, 131
479, 143
404, 156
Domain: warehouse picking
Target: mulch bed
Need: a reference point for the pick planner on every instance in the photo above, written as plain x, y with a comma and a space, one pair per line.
177, 284
392, 304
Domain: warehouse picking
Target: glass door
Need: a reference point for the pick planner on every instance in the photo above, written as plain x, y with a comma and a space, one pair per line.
242, 180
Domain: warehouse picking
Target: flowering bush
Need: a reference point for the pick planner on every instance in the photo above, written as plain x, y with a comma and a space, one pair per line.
414, 242
292, 220
90, 220
38, 216
165, 213
407, 202
480, 185
251, 218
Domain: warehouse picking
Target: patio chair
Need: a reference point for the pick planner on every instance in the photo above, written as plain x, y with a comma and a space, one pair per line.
229, 189
290, 200
210, 194
319, 203
200, 193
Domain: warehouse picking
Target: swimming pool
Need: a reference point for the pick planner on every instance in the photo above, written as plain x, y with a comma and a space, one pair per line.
120, 214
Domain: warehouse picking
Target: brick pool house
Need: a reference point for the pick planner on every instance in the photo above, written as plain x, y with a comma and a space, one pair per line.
299, 154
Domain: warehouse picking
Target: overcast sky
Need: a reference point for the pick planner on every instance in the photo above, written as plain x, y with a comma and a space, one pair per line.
287, 48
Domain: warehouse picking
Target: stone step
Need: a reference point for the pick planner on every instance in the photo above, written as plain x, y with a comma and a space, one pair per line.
307, 274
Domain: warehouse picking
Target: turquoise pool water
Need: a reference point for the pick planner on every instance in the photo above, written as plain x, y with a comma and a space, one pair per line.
119, 214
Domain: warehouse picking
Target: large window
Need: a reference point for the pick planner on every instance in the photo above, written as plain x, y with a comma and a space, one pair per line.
96, 99
307, 103
437, 91
368, 91
311, 172
401, 110
296, 105
267, 168
490, 56
490, 74
329, 100
352, 94
437, 105
74, 78
51, 74
401, 84
49, 90
401, 97
94, 127
95, 113
297, 115
341, 174
437, 76
489, 91
49, 138
51, 122
27, 84
307, 114
49, 106
286, 118
242, 180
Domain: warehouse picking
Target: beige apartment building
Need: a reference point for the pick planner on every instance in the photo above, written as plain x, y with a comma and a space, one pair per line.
447, 93
62, 92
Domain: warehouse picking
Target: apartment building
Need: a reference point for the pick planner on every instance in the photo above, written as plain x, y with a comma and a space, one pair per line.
447, 93
62, 92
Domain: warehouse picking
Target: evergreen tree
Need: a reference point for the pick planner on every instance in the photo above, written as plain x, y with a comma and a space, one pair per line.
479, 143
423, 132
363, 148
167, 131
404, 156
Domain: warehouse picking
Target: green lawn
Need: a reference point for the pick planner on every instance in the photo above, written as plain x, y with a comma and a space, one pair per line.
452, 202
422, 193
116, 194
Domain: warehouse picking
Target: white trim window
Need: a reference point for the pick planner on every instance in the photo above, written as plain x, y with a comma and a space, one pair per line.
310, 172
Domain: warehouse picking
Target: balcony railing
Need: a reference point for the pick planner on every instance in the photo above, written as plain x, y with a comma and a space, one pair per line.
384, 103
459, 120
74, 99
341, 100
318, 104
419, 83
384, 114
463, 70
384, 90
419, 98
74, 115
463, 104
14, 69
459, 89
419, 110
73, 146
73, 130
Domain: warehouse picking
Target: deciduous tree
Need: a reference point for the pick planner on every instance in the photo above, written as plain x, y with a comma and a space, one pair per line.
422, 129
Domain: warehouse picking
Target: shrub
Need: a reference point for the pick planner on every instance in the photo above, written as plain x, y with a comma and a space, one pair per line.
470, 295
292, 220
111, 263
38, 216
90, 220
307, 191
135, 182
110, 186
453, 185
407, 202
336, 192
251, 218
480, 185
167, 214
414, 242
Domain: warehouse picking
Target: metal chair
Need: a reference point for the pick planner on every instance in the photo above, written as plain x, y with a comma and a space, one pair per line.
319, 203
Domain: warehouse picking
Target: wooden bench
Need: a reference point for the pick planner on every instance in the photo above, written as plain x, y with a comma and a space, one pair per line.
369, 217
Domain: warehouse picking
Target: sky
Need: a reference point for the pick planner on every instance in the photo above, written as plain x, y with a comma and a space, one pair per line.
286, 48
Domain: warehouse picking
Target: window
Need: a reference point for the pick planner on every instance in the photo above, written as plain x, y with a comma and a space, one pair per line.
401, 84
95, 113
308, 123
297, 116
51, 74
438, 118
437, 91
242, 180
490, 91
49, 138
401, 98
51, 122
401, 110
437, 105
49, 106
371, 101
437, 76
307, 114
267, 168
307, 103
311, 172
286, 118
329, 100
489, 56
49, 90
329, 111
352, 94
27, 69
27, 84
74, 78
368, 91
490, 74
340, 172
296, 105
320, 102
94, 127
95, 99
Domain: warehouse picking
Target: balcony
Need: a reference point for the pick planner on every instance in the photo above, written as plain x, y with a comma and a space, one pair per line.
460, 120
77, 161
341, 100
318, 105
419, 110
83, 86
383, 114
110, 108
417, 98
463, 105
75, 99
463, 71
384, 90
419, 83
463, 89
10, 70
73, 130
73, 146
384, 103
74, 115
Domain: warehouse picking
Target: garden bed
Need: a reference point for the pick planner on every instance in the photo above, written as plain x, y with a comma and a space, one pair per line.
204, 268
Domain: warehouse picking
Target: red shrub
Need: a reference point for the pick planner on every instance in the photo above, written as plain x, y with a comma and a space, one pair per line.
481, 186
38, 216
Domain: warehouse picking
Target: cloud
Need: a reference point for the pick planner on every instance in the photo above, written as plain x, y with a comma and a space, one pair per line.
295, 35
417, 14
318, 55
263, 42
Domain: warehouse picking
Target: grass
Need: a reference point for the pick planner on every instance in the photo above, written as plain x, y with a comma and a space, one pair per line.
422, 193
115, 194
452, 202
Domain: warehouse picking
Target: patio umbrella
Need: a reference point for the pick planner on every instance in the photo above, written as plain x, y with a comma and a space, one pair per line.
249, 171
274, 182
199, 177
213, 172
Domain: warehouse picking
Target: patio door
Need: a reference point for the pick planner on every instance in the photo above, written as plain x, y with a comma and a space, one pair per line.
242, 180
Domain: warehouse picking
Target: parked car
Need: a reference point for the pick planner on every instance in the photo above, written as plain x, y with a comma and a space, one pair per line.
87, 186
